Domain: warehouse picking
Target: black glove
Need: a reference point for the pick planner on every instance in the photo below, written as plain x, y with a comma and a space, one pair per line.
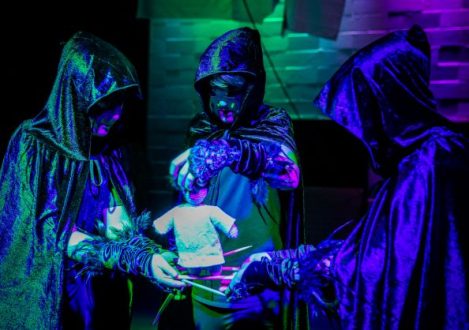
131, 256
255, 276
254, 280
208, 157
249, 158
131, 252
253, 157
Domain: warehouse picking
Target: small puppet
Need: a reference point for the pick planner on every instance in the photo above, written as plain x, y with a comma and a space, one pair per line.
195, 230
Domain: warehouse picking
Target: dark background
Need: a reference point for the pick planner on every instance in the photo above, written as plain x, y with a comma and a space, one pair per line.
33, 34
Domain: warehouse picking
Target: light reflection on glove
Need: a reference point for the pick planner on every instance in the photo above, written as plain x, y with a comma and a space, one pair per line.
207, 158
252, 277
273, 270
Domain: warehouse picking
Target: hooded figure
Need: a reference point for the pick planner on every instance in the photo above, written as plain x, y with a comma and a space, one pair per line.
405, 263
244, 153
56, 183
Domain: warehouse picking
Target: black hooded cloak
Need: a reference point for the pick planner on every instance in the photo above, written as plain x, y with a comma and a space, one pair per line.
43, 176
405, 264
239, 51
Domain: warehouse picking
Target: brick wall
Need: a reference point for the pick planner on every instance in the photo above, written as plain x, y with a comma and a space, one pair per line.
304, 63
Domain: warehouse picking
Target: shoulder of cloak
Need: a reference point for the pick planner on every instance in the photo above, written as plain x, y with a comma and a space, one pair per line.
37, 182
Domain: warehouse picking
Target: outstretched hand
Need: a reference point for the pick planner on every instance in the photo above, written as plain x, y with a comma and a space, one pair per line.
197, 165
164, 274
250, 279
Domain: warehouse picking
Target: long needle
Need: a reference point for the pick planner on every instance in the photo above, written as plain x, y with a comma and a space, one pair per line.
237, 250
203, 287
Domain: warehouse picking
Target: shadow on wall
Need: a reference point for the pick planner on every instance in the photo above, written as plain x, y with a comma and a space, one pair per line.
328, 208
335, 176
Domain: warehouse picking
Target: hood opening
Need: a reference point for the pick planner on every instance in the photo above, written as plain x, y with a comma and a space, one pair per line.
237, 51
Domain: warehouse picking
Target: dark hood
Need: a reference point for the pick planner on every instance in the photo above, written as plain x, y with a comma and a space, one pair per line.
89, 70
382, 96
237, 51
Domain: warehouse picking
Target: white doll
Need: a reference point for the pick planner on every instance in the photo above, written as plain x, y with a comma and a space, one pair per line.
195, 230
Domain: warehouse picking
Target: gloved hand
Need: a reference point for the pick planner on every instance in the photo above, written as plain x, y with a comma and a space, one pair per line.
195, 167
208, 157
272, 161
261, 271
307, 268
136, 255
252, 278
191, 171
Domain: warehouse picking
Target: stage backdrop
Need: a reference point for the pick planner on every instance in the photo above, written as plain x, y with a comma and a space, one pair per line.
303, 62
305, 41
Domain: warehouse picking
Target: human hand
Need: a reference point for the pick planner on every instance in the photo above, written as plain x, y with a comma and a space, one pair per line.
179, 172
208, 157
170, 256
165, 276
251, 278
282, 173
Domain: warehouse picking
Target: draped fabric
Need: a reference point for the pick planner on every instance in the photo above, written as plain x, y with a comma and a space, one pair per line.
43, 176
405, 264
239, 51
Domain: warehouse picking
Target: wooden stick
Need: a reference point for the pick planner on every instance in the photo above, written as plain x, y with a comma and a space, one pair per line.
203, 287
237, 250
212, 277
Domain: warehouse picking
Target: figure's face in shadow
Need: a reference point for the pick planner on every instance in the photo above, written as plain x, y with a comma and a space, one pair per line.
226, 103
105, 114
227, 95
